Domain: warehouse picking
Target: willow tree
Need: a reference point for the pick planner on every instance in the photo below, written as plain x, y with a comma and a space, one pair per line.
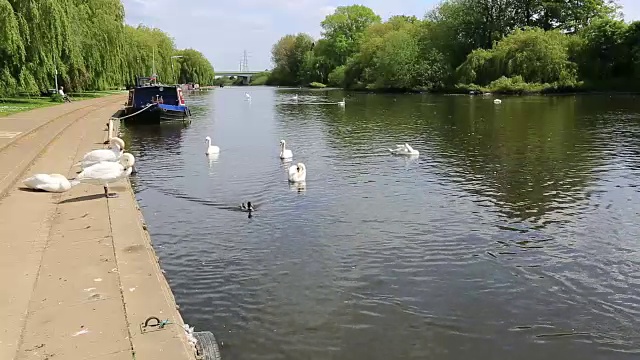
11, 49
194, 67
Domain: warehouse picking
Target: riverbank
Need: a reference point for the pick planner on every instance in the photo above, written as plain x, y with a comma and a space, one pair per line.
15, 105
78, 274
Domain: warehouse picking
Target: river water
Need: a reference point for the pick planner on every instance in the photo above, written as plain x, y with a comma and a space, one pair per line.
514, 234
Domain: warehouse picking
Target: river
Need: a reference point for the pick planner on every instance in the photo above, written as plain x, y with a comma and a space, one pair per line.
514, 234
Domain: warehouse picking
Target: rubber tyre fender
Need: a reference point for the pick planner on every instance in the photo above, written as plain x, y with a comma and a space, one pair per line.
207, 346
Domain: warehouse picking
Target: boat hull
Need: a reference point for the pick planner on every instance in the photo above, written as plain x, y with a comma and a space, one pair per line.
155, 115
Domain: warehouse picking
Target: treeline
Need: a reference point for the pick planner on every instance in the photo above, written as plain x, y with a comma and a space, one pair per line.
461, 45
88, 44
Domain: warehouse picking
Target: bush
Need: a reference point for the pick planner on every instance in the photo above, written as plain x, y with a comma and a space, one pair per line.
57, 98
317, 85
336, 77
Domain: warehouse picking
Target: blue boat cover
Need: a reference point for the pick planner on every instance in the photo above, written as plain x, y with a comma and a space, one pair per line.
180, 108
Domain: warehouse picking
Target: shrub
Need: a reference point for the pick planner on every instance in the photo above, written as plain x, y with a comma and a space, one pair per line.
57, 98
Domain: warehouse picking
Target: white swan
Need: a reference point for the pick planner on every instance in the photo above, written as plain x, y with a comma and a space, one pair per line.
497, 101
247, 96
295, 97
105, 173
48, 182
211, 149
405, 149
112, 154
342, 103
284, 152
297, 173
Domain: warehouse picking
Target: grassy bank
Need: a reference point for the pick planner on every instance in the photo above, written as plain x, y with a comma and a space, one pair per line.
14, 105
93, 94
10, 106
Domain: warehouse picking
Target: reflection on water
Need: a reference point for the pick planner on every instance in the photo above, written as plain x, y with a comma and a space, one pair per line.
513, 234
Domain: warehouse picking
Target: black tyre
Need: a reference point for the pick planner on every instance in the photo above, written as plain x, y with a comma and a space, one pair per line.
207, 346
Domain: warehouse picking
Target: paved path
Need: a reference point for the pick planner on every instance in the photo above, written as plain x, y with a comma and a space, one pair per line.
77, 271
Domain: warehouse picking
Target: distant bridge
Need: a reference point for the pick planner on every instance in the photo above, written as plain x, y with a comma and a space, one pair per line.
236, 73
244, 75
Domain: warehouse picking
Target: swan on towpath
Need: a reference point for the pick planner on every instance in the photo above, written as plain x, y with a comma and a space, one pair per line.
48, 182
105, 173
211, 149
247, 96
405, 149
284, 152
112, 154
297, 173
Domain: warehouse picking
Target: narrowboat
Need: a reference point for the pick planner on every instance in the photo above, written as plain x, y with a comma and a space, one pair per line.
150, 102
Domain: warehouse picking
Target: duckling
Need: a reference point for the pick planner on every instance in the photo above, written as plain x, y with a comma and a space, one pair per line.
248, 208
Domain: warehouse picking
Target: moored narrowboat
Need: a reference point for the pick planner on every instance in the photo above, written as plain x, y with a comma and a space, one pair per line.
150, 102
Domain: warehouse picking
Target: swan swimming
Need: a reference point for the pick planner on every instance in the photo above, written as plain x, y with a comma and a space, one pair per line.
405, 149
105, 173
284, 152
247, 96
297, 173
48, 182
211, 149
295, 97
112, 154
342, 103
497, 101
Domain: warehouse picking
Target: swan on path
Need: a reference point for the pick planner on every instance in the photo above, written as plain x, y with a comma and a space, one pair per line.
342, 103
112, 154
247, 96
497, 101
48, 182
211, 149
284, 152
297, 173
405, 149
105, 173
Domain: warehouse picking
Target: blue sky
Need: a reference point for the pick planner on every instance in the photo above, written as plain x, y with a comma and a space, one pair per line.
223, 29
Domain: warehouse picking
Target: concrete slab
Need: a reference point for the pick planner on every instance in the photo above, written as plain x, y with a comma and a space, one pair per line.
76, 332
76, 261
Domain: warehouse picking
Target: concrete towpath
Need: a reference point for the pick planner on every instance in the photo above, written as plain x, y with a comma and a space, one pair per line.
78, 274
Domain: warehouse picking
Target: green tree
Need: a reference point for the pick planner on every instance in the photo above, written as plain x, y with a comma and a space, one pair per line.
604, 54
293, 59
344, 30
194, 67
535, 55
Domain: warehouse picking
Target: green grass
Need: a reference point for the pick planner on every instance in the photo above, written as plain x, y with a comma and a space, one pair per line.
93, 94
10, 106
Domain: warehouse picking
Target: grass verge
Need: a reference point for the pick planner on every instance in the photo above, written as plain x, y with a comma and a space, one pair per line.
10, 106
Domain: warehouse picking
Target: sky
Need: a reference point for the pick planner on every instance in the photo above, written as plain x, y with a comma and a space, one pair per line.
223, 29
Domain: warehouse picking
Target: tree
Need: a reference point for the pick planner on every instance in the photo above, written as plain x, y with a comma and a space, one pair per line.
603, 53
193, 67
533, 54
293, 63
84, 41
344, 30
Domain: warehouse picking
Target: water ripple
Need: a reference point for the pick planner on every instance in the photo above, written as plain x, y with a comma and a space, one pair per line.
513, 234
